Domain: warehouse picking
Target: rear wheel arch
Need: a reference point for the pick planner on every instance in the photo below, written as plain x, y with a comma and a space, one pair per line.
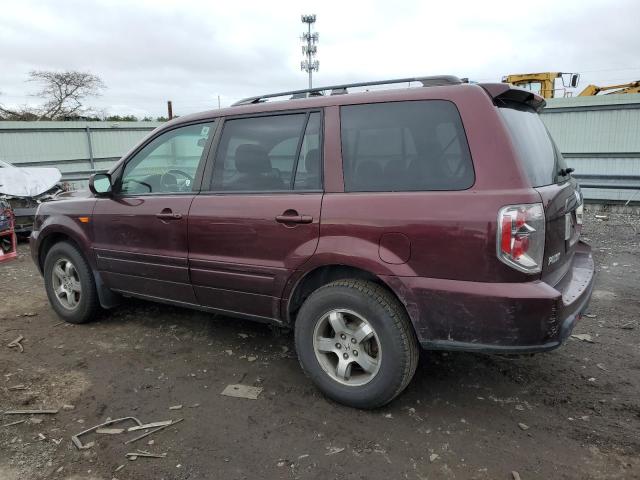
324, 275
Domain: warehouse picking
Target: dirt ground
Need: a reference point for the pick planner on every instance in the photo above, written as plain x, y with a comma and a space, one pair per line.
570, 413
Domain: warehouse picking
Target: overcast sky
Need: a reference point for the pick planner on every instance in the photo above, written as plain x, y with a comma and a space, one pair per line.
191, 51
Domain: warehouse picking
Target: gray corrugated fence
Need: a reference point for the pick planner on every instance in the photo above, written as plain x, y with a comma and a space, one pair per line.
600, 137
77, 149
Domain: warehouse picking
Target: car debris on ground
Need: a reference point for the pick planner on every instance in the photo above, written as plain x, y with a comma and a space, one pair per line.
81, 446
49, 411
162, 427
144, 454
163, 423
335, 450
584, 337
12, 423
110, 431
17, 387
242, 391
102, 429
17, 343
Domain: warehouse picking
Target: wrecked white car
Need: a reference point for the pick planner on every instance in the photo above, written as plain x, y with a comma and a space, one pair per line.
25, 189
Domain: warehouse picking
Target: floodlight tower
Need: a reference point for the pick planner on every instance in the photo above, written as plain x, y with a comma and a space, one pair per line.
309, 49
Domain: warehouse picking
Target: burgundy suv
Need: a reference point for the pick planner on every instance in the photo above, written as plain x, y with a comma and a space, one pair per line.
441, 216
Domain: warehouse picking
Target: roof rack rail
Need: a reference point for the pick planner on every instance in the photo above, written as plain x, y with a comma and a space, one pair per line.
434, 81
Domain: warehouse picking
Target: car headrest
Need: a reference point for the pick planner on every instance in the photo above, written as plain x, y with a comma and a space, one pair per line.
252, 159
312, 161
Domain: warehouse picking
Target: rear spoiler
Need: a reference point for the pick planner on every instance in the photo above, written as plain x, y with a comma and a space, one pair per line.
503, 94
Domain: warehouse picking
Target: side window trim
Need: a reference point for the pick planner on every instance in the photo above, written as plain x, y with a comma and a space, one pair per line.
197, 181
207, 165
207, 176
296, 160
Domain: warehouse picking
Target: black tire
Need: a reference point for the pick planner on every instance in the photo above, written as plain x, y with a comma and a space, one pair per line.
87, 306
392, 326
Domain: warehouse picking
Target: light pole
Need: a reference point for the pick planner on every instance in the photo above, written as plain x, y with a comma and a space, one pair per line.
309, 49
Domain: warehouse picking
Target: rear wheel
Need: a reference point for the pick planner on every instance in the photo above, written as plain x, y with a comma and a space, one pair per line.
69, 284
355, 341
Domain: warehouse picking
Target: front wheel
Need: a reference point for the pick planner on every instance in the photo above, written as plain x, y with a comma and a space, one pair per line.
356, 342
69, 284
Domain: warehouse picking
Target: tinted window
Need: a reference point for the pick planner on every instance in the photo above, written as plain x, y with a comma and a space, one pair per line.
538, 153
168, 163
404, 146
260, 154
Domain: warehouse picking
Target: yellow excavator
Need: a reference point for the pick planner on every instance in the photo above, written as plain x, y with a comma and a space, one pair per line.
631, 87
544, 83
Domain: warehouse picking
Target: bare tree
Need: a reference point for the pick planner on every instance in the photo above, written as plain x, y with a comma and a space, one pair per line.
65, 92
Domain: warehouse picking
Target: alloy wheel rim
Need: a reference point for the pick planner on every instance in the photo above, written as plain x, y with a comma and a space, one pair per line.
347, 347
66, 284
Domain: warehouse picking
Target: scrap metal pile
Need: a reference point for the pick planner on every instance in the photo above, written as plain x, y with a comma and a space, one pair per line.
7, 233
24, 189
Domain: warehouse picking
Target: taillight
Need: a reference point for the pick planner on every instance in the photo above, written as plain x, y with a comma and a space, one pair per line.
520, 242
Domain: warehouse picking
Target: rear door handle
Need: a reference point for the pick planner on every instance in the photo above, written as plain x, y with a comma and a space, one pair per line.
294, 219
169, 216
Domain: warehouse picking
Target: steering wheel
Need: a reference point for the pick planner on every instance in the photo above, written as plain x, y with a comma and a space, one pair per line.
144, 184
173, 181
180, 172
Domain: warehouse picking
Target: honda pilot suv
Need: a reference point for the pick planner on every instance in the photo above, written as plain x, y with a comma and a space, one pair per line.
438, 216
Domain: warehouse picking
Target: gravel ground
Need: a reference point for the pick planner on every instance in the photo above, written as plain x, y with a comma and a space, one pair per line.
571, 413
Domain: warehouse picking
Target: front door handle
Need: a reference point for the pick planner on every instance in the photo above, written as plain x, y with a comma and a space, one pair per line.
294, 218
168, 216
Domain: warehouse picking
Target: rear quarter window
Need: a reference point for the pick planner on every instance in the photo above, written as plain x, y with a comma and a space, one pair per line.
538, 153
404, 146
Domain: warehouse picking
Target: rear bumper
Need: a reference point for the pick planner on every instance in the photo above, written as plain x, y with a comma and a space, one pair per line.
498, 317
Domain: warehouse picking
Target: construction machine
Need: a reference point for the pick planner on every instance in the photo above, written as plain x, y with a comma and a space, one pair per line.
544, 83
631, 87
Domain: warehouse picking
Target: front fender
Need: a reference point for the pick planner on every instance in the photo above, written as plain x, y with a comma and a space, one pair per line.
62, 226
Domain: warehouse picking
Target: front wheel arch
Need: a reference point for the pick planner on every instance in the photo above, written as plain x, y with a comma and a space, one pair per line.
106, 297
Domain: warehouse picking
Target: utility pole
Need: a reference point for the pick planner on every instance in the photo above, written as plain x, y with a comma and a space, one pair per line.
169, 109
309, 48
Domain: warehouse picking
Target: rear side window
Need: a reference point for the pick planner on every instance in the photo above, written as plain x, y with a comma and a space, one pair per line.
269, 153
404, 146
538, 153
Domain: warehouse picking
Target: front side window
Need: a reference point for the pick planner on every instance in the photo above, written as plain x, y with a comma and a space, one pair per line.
404, 146
269, 153
168, 163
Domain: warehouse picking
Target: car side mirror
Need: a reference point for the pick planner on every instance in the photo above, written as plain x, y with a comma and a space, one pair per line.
575, 78
100, 184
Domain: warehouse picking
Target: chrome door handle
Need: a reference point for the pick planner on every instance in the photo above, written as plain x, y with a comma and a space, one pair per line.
294, 219
169, 216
